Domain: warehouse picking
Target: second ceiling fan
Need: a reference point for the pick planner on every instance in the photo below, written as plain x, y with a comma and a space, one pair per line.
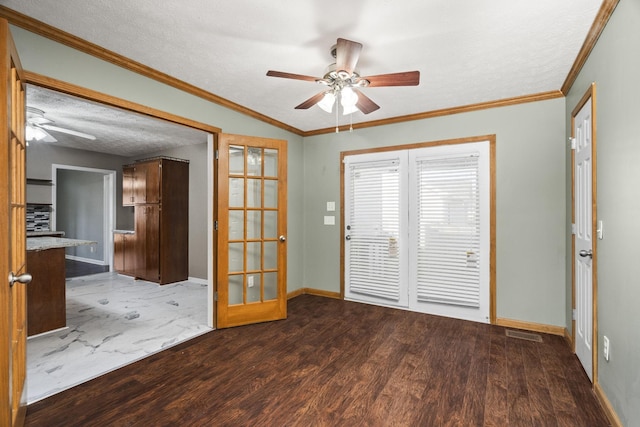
342, 80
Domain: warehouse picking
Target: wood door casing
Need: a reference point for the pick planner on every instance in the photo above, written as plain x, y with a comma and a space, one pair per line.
13, 310
251, 302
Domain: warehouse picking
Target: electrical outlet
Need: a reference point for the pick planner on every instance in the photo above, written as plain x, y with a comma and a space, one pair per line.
606, 348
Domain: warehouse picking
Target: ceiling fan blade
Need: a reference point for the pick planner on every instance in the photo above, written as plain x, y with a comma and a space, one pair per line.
284, 75
347, 54
311, 101
69, 131
48, 137
365, 104
407, 78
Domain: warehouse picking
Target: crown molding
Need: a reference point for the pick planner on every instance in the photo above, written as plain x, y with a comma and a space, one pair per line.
605, 12
57, 35
445, 112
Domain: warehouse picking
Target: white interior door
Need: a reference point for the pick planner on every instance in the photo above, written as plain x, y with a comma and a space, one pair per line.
583, 257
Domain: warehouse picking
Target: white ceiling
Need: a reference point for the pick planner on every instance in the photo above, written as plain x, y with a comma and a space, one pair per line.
468, 52
117, 131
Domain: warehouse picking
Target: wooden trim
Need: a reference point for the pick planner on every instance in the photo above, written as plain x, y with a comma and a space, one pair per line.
92, 95
295, 293
568, 338
530, 326
316, 292
492, 205
605, 12
59, 36
607, 407
445, 112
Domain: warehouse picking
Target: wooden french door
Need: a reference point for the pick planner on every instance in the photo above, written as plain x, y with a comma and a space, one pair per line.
252, 225
13, 298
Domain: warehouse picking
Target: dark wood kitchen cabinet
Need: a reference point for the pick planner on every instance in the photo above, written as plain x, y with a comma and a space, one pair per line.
141, 183
161, 209
124, 259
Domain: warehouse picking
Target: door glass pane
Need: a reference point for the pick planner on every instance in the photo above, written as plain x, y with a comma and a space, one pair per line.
253, 256
254, 224
235, 289
270, 193
270, 162
254, 161
270, 286
236, 192
270, 255
236, 160
236, 225
254, 192
236, 257
270, 224
253, 287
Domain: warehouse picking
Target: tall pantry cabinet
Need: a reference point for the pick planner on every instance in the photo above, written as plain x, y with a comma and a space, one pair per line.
158, 189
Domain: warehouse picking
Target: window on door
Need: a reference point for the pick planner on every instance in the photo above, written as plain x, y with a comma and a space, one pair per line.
417, 229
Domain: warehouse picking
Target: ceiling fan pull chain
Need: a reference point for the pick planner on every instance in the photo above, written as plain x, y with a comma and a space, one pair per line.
337, 116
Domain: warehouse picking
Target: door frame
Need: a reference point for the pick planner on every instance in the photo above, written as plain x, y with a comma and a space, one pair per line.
91, 95
109, 197
589, 94
492, 205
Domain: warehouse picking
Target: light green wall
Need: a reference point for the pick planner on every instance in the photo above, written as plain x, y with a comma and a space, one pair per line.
52, 59
530, 200
614, 65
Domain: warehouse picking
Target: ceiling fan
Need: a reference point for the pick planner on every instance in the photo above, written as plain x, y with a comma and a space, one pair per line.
38, 125
342, 80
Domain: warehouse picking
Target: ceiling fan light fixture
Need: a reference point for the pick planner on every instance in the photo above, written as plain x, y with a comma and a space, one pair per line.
327, 102
33, 132
348, 99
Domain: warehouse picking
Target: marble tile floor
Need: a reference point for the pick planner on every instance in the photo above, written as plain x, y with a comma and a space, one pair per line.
112, 320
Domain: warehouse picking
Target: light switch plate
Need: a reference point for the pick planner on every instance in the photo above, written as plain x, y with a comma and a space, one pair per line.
329, 220
331, 206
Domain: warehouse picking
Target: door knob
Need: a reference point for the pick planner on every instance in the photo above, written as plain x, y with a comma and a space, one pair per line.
282, 238
584, 253
23, 278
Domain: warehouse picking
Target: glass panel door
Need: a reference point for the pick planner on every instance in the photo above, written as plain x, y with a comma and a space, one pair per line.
251, 230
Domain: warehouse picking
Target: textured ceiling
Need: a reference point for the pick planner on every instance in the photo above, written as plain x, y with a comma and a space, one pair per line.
117, 131
468, 52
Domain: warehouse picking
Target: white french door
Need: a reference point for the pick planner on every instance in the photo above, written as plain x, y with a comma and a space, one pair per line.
417, 229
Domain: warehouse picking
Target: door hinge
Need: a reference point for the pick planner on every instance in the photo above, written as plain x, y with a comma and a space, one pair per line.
572, 142
573, 313
215, 296
574, 229
217, 154
215, 225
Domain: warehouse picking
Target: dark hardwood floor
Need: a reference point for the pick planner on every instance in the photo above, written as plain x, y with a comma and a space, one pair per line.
334, 363
75, 268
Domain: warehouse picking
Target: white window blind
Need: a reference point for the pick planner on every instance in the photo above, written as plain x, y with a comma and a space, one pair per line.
448, 252
374, 229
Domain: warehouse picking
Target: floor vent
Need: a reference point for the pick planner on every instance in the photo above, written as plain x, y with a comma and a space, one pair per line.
523, 335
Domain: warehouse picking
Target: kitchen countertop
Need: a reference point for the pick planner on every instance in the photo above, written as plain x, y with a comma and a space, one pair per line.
45, 233
124, 231
43, 243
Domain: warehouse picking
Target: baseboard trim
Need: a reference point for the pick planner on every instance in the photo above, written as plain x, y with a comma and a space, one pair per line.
606, 406
87, 260
316, 292
198, 280
568, 338
530, 326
